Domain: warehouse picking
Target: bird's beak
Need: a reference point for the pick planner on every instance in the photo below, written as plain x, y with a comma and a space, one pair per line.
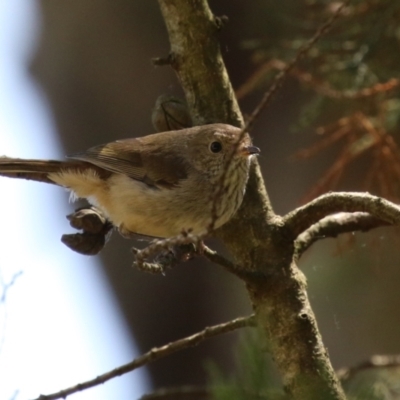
250, 150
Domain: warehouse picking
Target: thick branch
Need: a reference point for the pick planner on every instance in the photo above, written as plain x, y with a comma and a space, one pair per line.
304, 217
257, 238
334, 225
203, 75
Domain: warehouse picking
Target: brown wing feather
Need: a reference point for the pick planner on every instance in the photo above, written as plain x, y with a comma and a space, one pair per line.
141, 159
38, 170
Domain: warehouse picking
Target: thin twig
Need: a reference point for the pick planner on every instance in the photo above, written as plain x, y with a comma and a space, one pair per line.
162, 244
281, 77
276, 84
323, 88
230, 266
334, 225
155, 354
141, 255
7, 286
304, 217
376, 361
322, 144
361, 133
179, 251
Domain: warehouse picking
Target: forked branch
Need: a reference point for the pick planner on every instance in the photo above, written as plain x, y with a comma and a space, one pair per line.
255, 237
304, 217
335, 225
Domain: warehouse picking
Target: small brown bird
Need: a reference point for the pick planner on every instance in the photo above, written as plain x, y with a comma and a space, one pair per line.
156, 185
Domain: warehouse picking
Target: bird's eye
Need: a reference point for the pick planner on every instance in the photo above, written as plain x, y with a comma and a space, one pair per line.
215, 147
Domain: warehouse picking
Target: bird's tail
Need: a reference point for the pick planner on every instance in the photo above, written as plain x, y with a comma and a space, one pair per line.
36, 170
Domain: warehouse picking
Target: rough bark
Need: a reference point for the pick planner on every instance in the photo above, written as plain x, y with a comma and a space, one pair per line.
256, 237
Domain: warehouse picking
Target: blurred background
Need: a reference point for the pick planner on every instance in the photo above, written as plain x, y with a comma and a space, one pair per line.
78, 73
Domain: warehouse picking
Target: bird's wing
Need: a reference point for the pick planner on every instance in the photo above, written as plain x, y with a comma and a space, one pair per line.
141, 159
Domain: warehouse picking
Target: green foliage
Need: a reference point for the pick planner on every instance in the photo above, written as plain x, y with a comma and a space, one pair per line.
392, 114
351, 78
254, 378
309, 112
379, 383
360, 51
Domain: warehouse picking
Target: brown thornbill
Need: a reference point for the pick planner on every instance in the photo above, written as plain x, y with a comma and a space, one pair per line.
155, 185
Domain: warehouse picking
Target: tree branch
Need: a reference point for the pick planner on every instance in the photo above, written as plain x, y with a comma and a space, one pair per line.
230, 266
334, 225
5, 287
283, 74
258, 239
376, 361
303, 217
155, 354
203, 75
